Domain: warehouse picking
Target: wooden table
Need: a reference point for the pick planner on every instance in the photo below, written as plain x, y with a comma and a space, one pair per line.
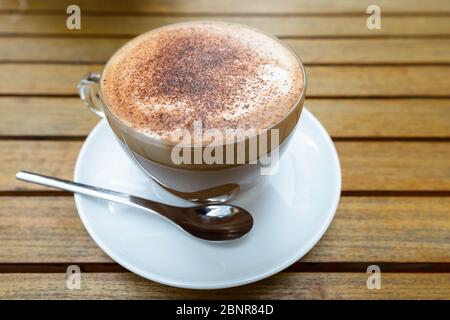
384, 96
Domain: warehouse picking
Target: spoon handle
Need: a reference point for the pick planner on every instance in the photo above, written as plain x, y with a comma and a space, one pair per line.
101, 193
74, 187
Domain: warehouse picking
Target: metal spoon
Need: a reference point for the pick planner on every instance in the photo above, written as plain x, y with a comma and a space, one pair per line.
214, 222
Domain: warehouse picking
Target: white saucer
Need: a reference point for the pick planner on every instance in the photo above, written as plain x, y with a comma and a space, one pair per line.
291, 213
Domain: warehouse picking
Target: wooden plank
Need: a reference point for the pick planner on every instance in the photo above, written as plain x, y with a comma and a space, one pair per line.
383, 117
395, 165
232, 6
323, 81
311, 51
365, 229
360, 51
41, 78
280, 286
289, 26
42, 116
362, 81
48, 230
97, 50
398, 166
54, 158
407, 118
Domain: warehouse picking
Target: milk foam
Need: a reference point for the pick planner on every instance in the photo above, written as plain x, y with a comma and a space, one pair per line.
225, 75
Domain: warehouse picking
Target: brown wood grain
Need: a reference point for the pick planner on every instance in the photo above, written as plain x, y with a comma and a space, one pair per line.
311, 51
43, 116
323, 81
383, 117
42, 78
362, 83
395, 165
280, 286
288, 26
47, 229
52, 157
233, 6
377, 118
365, 229
365, 165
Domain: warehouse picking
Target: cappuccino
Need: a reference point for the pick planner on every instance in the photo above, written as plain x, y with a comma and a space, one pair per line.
225, 76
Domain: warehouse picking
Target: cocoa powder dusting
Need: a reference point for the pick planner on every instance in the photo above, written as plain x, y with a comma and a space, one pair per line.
206, 72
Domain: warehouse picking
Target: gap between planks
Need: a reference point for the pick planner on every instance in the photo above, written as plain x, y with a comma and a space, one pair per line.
311, 64
344, 193
235, 7
335, 267
213, 14
282, 37
334, 138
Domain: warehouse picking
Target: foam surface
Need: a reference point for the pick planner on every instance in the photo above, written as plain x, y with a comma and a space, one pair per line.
227, 76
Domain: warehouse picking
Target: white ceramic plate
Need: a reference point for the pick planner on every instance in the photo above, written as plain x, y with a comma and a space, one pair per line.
291, 213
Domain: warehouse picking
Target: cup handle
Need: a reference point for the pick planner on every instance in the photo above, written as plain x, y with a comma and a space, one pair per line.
88, 90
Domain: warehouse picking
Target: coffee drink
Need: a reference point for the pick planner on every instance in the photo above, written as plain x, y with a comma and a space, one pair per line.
223, 75
213, 76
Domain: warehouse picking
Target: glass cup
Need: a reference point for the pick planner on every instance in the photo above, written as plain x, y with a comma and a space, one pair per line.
200, 182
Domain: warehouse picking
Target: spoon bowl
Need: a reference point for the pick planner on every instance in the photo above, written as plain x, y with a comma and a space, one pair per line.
213, 222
